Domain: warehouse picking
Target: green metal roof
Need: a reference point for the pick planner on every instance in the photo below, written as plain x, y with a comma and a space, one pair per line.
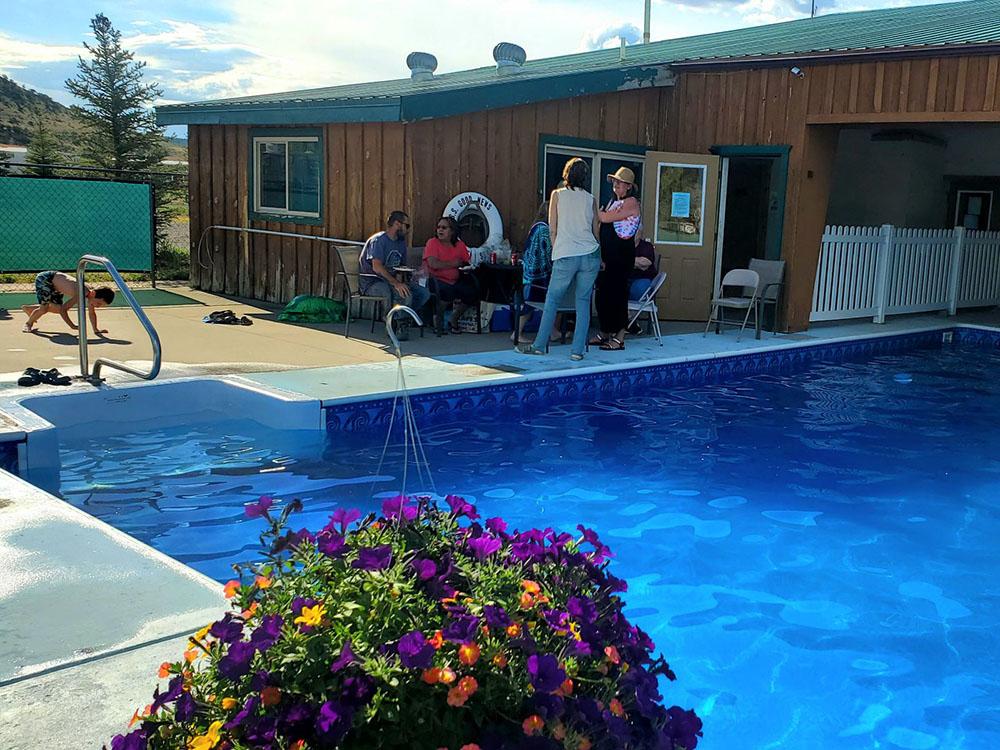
973, 22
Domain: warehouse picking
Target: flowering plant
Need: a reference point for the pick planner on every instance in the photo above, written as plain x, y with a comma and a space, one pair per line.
419, 628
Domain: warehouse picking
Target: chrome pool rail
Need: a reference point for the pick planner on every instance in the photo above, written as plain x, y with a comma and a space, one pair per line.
271, 232
154, 339
388, 325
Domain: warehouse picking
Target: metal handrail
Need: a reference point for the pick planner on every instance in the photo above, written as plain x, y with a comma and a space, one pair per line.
388, 325
81, 292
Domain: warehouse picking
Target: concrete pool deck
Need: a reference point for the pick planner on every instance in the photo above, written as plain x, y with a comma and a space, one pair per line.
88, 613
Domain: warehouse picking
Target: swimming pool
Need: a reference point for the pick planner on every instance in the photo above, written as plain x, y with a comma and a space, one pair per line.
813, 551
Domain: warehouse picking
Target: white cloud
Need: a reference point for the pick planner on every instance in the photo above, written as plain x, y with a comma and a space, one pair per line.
600, 39
16, 54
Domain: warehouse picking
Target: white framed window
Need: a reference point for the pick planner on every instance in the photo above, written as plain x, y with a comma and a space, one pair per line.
287, 175
601, 162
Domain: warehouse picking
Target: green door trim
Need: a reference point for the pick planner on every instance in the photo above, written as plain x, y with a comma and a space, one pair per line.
781, 185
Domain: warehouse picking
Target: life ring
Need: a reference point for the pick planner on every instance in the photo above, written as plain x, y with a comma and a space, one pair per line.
471, 210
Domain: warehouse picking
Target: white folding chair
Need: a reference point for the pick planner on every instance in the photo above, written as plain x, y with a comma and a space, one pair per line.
745, 279
647, 304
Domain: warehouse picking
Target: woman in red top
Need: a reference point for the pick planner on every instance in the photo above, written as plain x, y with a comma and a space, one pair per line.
443, 256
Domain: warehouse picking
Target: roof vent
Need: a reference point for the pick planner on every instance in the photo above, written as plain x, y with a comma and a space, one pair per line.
422, 65
510, 58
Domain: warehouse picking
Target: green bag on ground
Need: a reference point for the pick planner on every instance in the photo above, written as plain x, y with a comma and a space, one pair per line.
308, 309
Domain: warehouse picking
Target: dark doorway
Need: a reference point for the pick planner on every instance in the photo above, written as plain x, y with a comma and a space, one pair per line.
754, 202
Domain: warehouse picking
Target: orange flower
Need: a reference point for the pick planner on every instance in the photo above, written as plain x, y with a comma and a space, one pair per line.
532, 725
191, 654
230, 589
527, 600
270, 696
468, 654
612, 653
447, 676
436, 640
559, 731
139, 715
164, 670
583, 744
500, 660
468, 685
470, 746
431, 676
514, 630
566, 689
229, 703
615, 706
262, 582
297, 745
249, 612
530, 587
456, 698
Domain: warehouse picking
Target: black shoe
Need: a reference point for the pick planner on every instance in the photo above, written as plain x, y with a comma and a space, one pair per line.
31, 377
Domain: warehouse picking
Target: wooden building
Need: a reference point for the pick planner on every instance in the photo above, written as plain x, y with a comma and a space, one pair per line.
759, 121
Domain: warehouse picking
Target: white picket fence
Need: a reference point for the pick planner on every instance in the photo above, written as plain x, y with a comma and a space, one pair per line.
878, 271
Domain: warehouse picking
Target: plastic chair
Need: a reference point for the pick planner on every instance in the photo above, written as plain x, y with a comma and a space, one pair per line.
738, 277
772, 286
647, 304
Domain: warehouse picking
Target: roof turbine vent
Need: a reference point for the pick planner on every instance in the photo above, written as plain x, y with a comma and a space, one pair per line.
422, 65
510, 58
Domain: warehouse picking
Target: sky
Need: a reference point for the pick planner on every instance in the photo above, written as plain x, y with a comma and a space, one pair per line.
222, 48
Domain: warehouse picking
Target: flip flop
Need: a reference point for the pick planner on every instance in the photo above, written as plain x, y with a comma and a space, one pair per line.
613, 345
597, 341
31, 377
245, 321
529, 349
54, 377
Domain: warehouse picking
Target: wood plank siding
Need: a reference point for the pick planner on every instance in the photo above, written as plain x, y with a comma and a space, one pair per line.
373, 168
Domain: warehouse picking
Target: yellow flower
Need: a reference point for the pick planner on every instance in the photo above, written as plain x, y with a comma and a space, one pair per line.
263, 582
229, 703
311, 616
200, 635
208, 740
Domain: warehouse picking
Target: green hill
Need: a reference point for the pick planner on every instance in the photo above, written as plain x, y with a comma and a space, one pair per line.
19, 108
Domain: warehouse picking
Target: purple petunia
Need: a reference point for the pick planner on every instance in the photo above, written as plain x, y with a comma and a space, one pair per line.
582, 609
267, 633
683, 728
374, 558
496, 525
460, 507
545, 673
137, 740
331, 544
357, 690
228, 629
399, 507
496, 617
347, 657
484, 546
236, 662
462, 629
414, 650
174, 689
343, 517
259, 508
248, 710
558, 621
425, 569
334, 721
185, 708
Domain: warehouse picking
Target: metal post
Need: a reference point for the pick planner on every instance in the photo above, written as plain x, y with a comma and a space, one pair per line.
883, 262
955, 275
81, 304
645, 23
152, 233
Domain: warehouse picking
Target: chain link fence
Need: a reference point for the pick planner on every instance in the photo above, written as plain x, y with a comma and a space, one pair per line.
52, 214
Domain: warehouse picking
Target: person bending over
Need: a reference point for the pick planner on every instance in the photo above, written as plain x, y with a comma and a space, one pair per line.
56, 292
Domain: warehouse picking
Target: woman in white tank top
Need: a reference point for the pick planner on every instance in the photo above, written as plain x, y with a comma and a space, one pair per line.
576, 255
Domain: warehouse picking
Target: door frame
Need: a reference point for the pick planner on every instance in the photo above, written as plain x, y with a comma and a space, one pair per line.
779, 152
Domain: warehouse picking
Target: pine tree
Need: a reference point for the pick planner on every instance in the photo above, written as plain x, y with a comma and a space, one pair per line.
121, 127
43, 148
5, 162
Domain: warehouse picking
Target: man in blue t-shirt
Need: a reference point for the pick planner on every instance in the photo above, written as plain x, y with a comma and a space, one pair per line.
382, 254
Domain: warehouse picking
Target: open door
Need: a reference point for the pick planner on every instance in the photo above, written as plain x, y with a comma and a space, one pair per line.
680, 207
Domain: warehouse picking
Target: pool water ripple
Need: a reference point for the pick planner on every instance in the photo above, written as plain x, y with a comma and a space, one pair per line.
814, 552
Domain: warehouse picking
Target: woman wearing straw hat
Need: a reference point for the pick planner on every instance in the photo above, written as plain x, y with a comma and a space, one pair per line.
620, 223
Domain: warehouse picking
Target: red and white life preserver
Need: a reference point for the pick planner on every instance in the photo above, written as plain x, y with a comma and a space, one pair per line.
477, 201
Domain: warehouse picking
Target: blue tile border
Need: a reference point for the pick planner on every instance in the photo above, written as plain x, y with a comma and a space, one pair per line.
8, 456
374, 415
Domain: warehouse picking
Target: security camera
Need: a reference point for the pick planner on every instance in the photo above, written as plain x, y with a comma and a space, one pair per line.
797, 72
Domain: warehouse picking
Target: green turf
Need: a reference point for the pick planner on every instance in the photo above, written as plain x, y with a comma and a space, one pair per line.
145, 297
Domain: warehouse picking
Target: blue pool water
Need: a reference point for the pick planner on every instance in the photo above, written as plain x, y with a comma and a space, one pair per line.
815, 553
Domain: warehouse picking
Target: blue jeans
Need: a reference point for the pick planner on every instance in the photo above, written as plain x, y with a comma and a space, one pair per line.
638, 288
583, 269
416, 299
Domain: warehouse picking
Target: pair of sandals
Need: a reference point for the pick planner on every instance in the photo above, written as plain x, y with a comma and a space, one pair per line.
608, 344
33, 376
227, 317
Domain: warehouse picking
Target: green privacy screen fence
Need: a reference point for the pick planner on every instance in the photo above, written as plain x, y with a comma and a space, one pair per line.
47, 224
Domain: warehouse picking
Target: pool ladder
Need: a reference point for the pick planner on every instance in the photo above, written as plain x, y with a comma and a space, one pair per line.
94, 377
